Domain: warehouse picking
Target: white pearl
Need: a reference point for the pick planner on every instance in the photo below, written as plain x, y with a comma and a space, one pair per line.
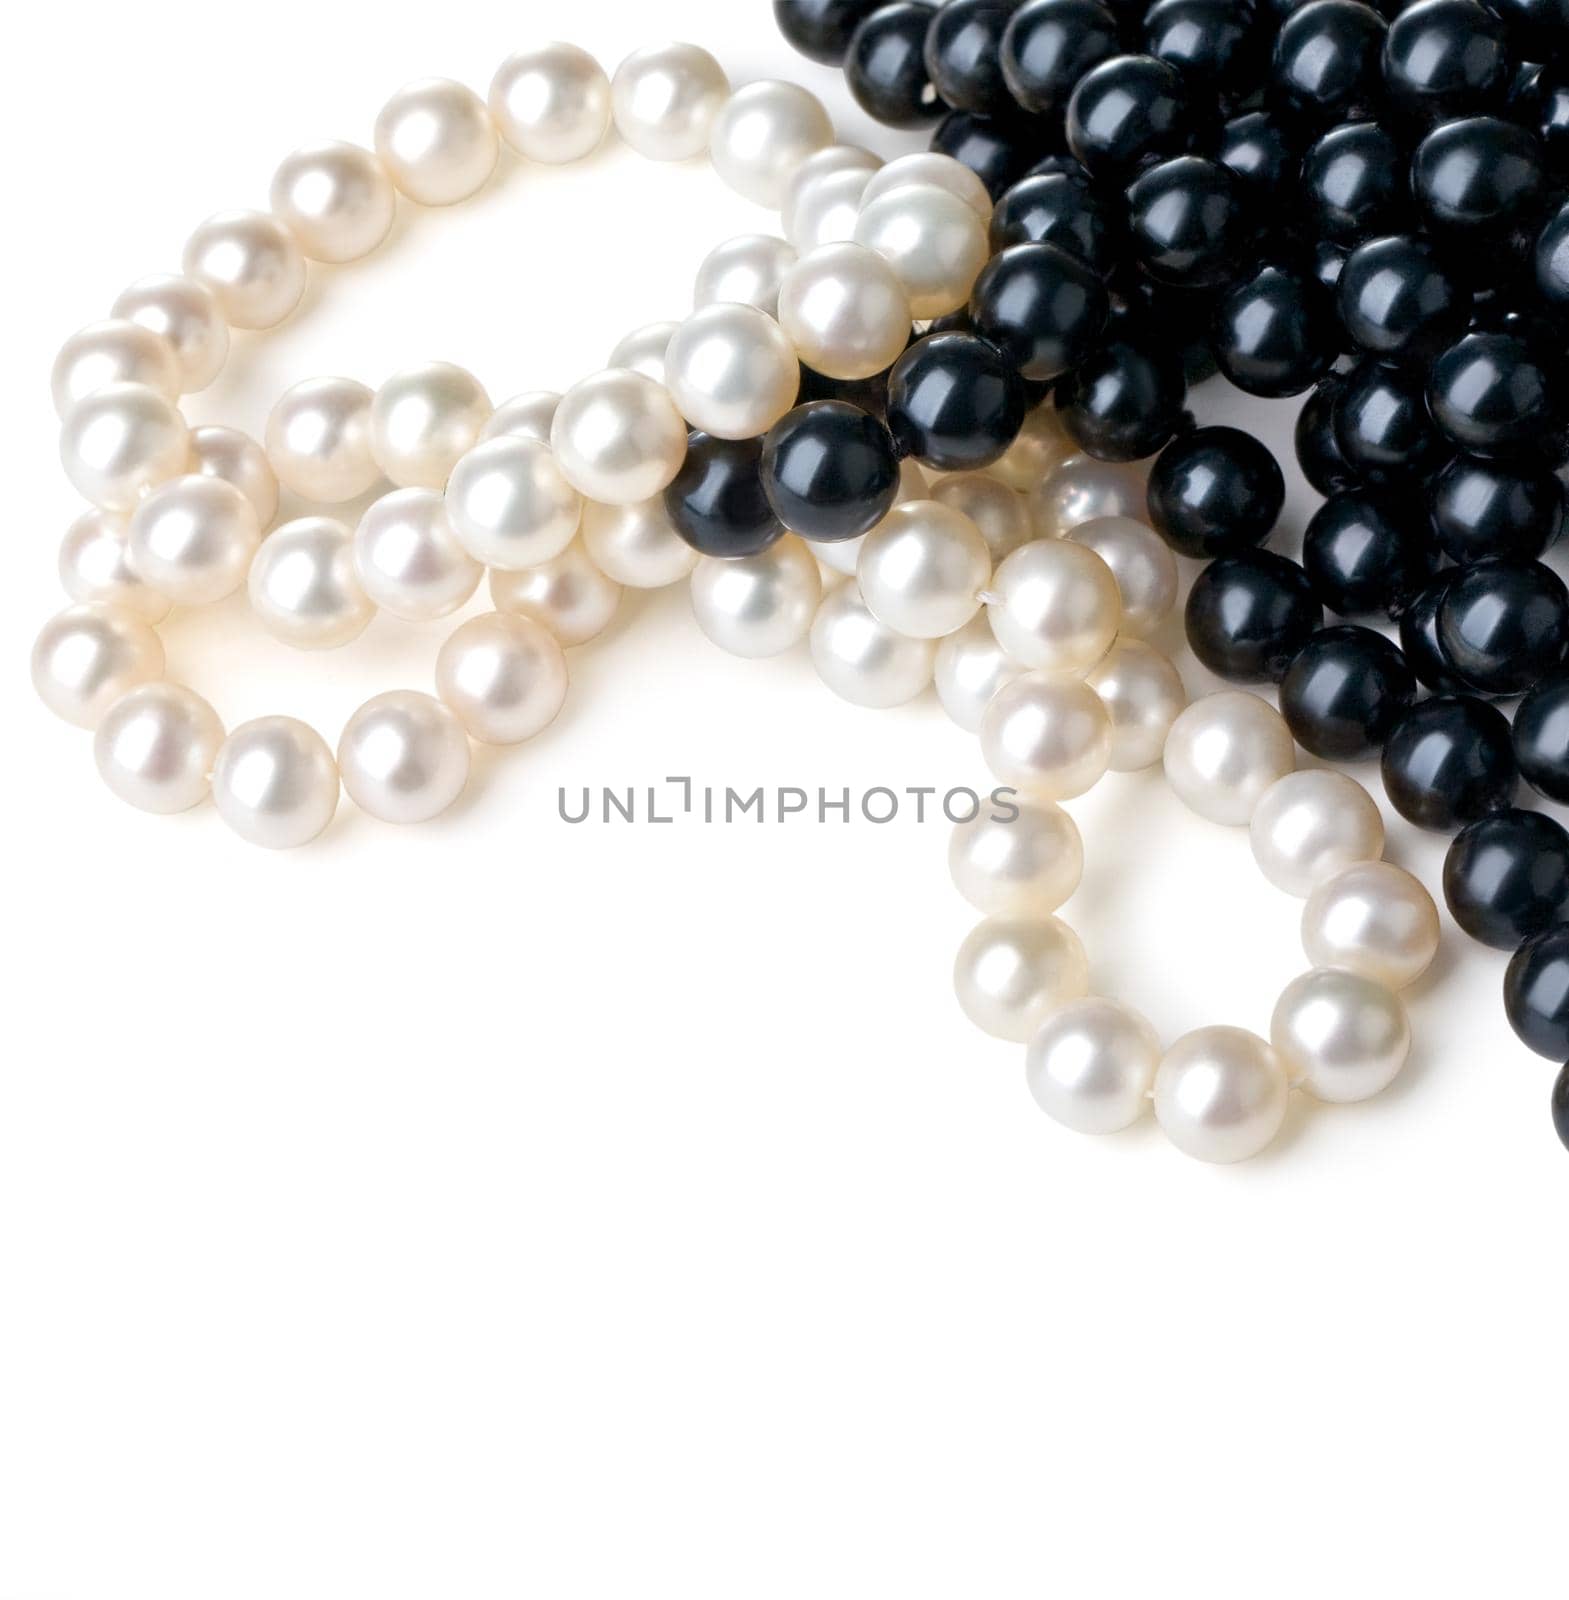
762, 134
193, 540
336, 199
1311, 824
1143, 695
275, 783
1082, 489
1012, 973
437, 142
156, 746
1024, 861
423, 419
822, 164
1373, 918
510, 506
318, 441
863, 660
552, 103
644, 350
845, 311
922, 569
664, 100
760, 605
303, 588
746, 270
993, 507
731, 371
1048, 735
1055, 606
931, 170
235, 458
1091, 1066
971, 667
503, 677
825, 210
409, 560
1141, 562
404, 757
1040, 448
185, 314
88, 656
1220, 1094
116, 351
253, 265
95, 568
1343, 1037
570, 595
932, 239
1224, 751
116, 444
637, 545
528, 416
618, 437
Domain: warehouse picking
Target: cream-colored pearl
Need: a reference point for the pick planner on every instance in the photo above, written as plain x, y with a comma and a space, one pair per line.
932, 239
275, 783
1091, 1066
825, 211
119, 442
645, 349
88, 656
1082, 489
1141, 562
993, 507
1373, 918
1343, 1037
423, 420
253, 265
404, 757
822, 164
193, 540
1023, 860
971, 667
409, 560
116, 351
527, 416
1143, 696
336, 199
318, 441
664, 100
156, 746
95, 568
1013, 972
931, 170
570, 595
552, 103
759, 605
1055, 606
746, 270
1310, 825
762, 134
1220, 1094
187, 316
303, 588
1224, 751
510, 506
437, 141
845, 311
1040, 448
637, 545
503, 677
1048, 735
863, 660
922, 569
618, 437
731, 371
236, 458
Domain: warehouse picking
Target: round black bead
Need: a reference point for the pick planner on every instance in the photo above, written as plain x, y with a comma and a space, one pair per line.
717, 501
954, 403
1125, 111
1318, 451
830, 470
1188, 220
1486, 508
1419, 641
1382, 425
1053, 208
1493, 395
1217, 45
998, 150
1249, 615
1343, 692
1215, 491
821, 29
1397, 298
1354, 183
1275, 331
1506, 877
1476, 175
1446, 58
1261, 149
1541, 735
1504, 624
1542, 104
1050, 45
1560, 1105
963, 54
1363, 553
1043, 308
1448, 761
886, 66
1550, 262
1536, 994
1125, 400
1327, 60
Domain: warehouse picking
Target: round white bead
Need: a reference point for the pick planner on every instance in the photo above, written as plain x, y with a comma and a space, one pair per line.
1047, 735
863, 660
1143, 696
637, 545
932, 239
569, 595
509, 505
929, 169
408, 558
993, 507
1081, 489
1220, 1094
1373, 918
252, 264
760, 605
731, 371
552, 103
423, 420
1055, 606
118, 443
236, 459
303, 588
845, 311
1142, 564
156, 746
1310, 825
664, 100
825, 211
95, 567
318, 440
88, 656
922, 569
437, 141
275, 783
1041, 447
1025, 860
404, 757
336, 199
971, 667
618, 437
1013, 972
822, 164
527, 416
193, 540
1224, 751
746, 270
1343, 1037
1091, 1066
762, 134
645, 349
185, 314
503, 677
116, 351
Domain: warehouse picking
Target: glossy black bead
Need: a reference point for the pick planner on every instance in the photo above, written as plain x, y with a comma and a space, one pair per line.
1052, 208
1550, 262
1126, 111
954, 402
1326, 65
1249, 615
1318, 451
1050, 45
1483, 508
1343, 692
1215, 491
1275, 331
1476, 175
1261, 149
821, 29
1448, 761
717, 501
1364, 553
1124, 401
1504, 625
1397, 298
1446, 58
1189, 221
1542, 105
1541, 735
1419, 641
964, 54
1538, 30
1560, 1106
1354, 183
998, 150
885, 66
830, 470
1506, 877
1493, 395
1382, 425
1536, 995
1217, 45
1043, 308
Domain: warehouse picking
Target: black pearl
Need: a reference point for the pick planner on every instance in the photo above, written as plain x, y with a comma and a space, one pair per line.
1125, 111
963, 55
1327, 60
1275, 331
1542, 105
1560, 1106
1189, 219
1050, 45
1043, 308
954, 403
1536, 993
1248, 615
1382, 425
1446, 58
1538, 30
1504, 624
1215, 491
1396, 298
1448, 761
1056, 209
1318, 451
717, 501
998, 150
1506, 877
1354, 183
1495, 396
1483, 508
1476, 175
830, 470
821, 29
1550, 262
1343, 692
1541, 734
1419, 641
1217, 45
1125, 400
886, 66
1260, 148
1363, 553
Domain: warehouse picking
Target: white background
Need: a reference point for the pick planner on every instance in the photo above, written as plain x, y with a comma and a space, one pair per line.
503, 1208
